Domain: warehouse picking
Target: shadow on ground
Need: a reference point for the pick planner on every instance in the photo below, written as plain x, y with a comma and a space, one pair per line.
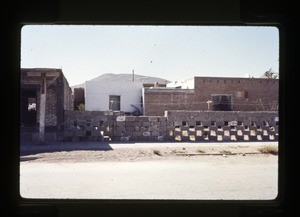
33, 148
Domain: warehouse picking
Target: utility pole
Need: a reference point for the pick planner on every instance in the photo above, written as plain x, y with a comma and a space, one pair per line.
42, 108
133, 75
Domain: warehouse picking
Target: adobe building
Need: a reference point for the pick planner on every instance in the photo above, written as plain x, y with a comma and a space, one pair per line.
118, 92
213, 94
45, 94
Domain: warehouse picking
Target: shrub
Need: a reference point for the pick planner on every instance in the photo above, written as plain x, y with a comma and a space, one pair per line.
157, 152
200, 151
268, 150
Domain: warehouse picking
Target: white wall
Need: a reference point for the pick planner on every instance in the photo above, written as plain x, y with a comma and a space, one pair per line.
97, 95
184, 84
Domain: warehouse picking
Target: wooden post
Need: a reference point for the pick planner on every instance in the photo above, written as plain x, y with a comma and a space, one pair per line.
42, 108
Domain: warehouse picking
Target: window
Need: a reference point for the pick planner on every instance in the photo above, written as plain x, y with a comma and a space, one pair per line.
221, 102
114, 102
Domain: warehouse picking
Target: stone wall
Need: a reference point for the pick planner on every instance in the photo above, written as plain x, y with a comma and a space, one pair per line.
174, 126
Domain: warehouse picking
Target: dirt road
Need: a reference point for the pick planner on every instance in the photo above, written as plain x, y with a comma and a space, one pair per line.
149, 171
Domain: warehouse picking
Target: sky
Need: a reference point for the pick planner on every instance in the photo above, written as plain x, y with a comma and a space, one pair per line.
169, 52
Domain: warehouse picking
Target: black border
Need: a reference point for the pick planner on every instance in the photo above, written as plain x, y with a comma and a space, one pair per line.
279, 13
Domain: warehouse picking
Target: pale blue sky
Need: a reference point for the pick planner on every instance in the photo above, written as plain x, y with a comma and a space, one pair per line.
169, 52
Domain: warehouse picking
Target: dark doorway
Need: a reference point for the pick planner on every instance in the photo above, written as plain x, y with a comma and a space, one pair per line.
28, 107
221, 102
114, 102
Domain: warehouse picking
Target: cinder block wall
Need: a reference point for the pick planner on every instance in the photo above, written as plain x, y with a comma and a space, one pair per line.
174, 126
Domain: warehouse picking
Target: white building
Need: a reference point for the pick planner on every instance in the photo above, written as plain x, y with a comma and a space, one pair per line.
117, 92
113, 95
184, 84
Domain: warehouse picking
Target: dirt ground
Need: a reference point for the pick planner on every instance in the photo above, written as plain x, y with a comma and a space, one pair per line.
127, 152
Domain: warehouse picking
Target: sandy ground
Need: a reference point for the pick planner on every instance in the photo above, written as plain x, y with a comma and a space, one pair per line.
148, 171
126, 152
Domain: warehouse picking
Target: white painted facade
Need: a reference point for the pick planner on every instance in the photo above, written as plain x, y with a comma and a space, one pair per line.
97, 95
184, 84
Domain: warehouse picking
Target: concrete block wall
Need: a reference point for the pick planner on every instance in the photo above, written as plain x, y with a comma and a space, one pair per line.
174, 126
222, 126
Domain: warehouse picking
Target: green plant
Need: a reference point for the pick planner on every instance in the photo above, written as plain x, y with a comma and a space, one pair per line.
268, 150
81, 106
200, 151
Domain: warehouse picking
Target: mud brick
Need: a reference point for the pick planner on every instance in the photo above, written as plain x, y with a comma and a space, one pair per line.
220, 123
215, 128
75, 139
109, 123
79, 133
127, 133
161, 138
213, 138
120, 118
153, 118
120, 124
129, 129
246, 132
95, 133
239, 137
129, 123
162, 119
185, 133
170, 138
106, 138
130, 118
102, 128
233, 132
178, 123
136, 134
253, 127
259, 132
227, 138
146, 124
239, 127
147, 133
220, 132
192, 133
265, 137
177, 133
81, 123
199, 128
143, 138
153, 128
164, 123
252, 137
88, 128
185, 139
69, 133
124, 138
119, 134
94, 123
155, 133
143, 118
185, 128
136, 123
162, 133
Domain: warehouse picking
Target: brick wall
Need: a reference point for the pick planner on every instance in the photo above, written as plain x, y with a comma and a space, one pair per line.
248, 94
